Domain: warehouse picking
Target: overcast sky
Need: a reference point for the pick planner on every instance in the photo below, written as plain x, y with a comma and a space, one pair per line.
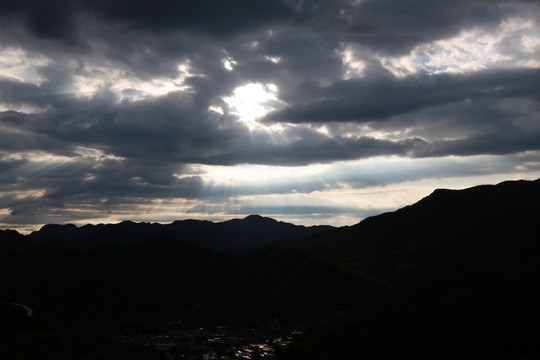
307, 111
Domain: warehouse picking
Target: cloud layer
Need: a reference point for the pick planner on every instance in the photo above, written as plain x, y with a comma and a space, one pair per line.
112, 108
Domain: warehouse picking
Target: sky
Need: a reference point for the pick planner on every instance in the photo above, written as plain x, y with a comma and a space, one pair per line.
307, 111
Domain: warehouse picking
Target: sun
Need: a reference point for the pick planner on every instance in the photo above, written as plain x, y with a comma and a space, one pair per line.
253, 100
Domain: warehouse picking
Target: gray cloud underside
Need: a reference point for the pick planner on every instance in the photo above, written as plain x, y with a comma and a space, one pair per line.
178, 128
387, 25
148, 39
156, 137
363, 100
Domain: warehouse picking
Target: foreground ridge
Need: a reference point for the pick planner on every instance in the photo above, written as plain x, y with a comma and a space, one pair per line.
452, 275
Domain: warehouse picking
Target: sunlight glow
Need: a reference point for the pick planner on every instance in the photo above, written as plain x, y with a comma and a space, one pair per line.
341, 193
273, 59
243, 174
358, 176
229, 63
216, 109
254, 100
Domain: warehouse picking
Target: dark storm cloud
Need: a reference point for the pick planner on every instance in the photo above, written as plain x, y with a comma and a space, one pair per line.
49, 19
55, 19
396, 27
388, 26
497, 144
364, 100
178, 129
126, 152
174, 130
17, 93
312, 148
306, 35
216, 18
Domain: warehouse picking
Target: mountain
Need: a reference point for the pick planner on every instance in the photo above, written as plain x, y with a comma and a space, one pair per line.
479, 213
113, 278
11, 240
455, 275
296, 283
461, 270
233, 235
240, 234
155, 278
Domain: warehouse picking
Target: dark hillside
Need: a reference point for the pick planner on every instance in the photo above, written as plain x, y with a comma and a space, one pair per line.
455, 275
463, 275
163, 274
482, 212
155, 275
297, 283
11, 240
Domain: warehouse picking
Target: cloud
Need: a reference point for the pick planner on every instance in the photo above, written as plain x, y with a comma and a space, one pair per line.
395, 27
364, 100
18, 92
55, 19
107, 106
175, 129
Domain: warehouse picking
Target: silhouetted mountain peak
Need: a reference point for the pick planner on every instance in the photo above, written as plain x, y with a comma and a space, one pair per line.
191, 221
8, 233
58, 227
11, 240
258, 219
127, 223
54, 231
480, 211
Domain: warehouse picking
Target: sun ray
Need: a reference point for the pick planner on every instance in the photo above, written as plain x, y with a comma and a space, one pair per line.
252, 101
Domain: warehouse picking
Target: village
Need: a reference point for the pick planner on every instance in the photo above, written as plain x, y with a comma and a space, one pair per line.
221, 342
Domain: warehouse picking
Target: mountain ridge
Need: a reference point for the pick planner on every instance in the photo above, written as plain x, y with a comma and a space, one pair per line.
454, 275
440, 215
231, 236
255, 231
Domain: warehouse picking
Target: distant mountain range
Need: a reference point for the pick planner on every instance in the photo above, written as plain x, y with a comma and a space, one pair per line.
485, 210
231, 236
455, 275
